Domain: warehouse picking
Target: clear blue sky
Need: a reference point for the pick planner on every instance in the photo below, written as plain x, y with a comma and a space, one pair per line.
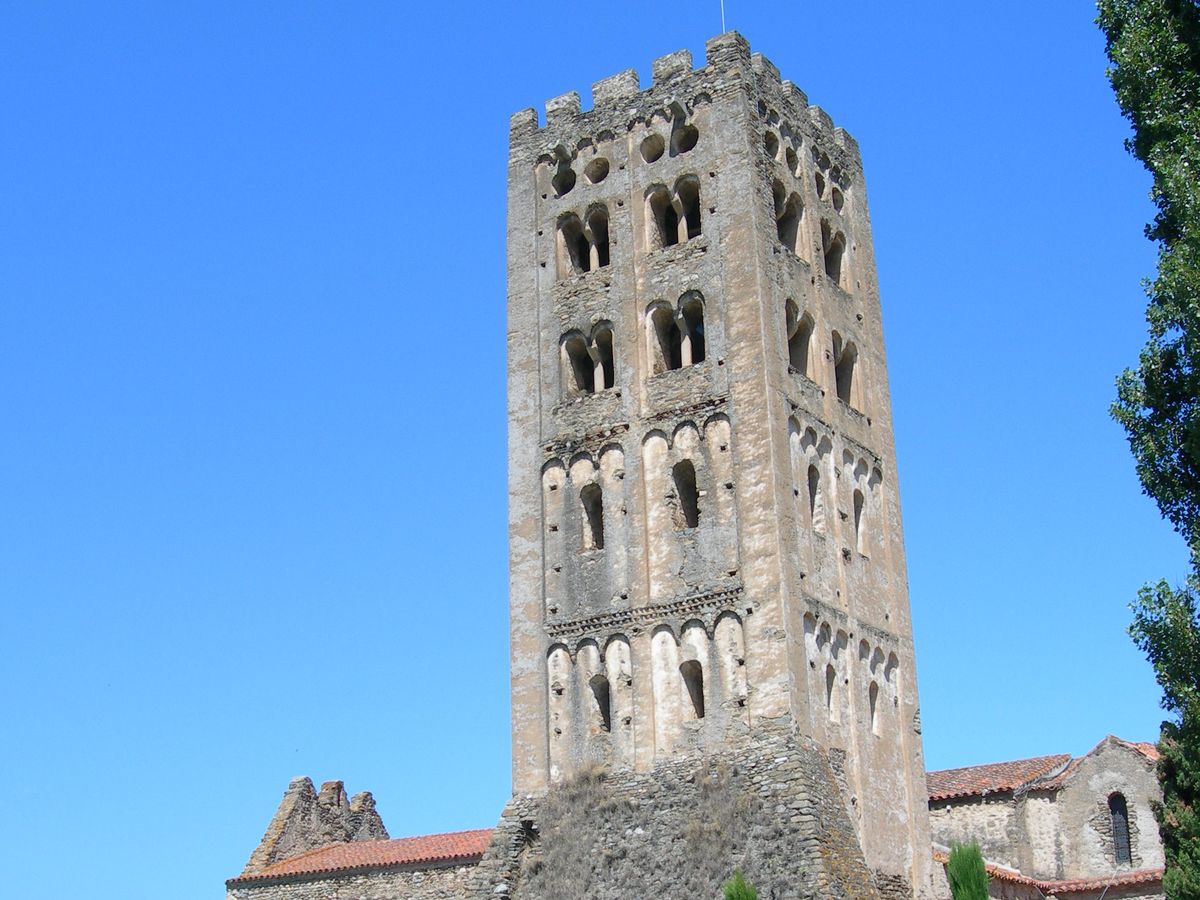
252, 496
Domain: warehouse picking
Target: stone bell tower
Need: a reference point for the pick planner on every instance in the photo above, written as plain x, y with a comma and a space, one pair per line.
706, 549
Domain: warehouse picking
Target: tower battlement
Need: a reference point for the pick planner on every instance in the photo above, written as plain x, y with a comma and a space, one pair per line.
620, 103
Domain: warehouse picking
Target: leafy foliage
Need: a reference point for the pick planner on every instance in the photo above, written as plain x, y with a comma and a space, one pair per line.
737, 889
966, 874
1154, 47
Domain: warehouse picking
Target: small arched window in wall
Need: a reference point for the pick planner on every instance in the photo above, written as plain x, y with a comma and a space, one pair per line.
845, 356
691, 310
789, 213
816, 508
605, 371
579, 370
799, 334
666, 343
663, 218
860, 523
831, 705
688, 507
564, 179
687, 190
834, 248
873, 703
602, 699
574, 254
598, 228
592, 500
1118, 812
683, 137
693, 680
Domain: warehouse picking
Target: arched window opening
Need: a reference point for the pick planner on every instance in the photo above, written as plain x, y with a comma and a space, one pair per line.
665, 340
598, 226
830, 691
592, 498
834, 248
652, 147
793, 164
771, 144
563, 180
788, 213
800, 331
603, 699
693, 347
580, 370
859, 523
605, 371
1119, 812
683, 138
665, 219
820, 180
574, 252
688, 512
597, 170
844, 358
838, 199
816, 515
688, 192
873, 701
693, 680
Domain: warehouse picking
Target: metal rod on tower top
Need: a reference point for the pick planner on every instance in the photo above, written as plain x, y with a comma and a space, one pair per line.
722, 16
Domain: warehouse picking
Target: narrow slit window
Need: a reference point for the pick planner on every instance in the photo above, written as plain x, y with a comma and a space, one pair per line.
844, 358
602, 697
605, 376
694, 349
873, 702
859, 520
592, 498
1119, 813
816, 515
684, 475
693, 680
834, 248
579, 374
830, 692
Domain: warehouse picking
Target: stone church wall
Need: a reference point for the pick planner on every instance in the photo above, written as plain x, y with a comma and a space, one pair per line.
404, 884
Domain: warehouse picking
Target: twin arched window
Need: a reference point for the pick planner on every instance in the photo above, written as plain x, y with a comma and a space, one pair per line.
845, 357
676, 336
588, 365
789, 215
583, 243
673, 217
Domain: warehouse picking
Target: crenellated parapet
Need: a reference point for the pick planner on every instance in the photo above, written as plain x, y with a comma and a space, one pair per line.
620, 105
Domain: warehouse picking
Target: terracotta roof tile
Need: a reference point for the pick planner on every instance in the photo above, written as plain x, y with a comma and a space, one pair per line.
1148, 750
971, 781
1078, 885
458, 846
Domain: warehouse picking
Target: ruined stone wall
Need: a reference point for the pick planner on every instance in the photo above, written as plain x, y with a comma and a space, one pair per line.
449, 883
771, 809
991, 822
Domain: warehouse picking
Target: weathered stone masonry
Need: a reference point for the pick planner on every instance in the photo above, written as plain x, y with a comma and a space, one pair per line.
705, 538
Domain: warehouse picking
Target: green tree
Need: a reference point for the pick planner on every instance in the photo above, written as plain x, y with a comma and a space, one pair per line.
737, 889
966, 874
1154, 48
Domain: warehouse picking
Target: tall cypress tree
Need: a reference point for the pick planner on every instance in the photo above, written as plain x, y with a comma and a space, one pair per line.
1154, 48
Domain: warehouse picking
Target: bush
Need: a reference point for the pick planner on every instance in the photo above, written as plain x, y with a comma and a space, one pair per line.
737, 889
966, 874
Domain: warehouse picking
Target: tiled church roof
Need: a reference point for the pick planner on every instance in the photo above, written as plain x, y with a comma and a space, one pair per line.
1048, 771
1003, 776
461, 847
